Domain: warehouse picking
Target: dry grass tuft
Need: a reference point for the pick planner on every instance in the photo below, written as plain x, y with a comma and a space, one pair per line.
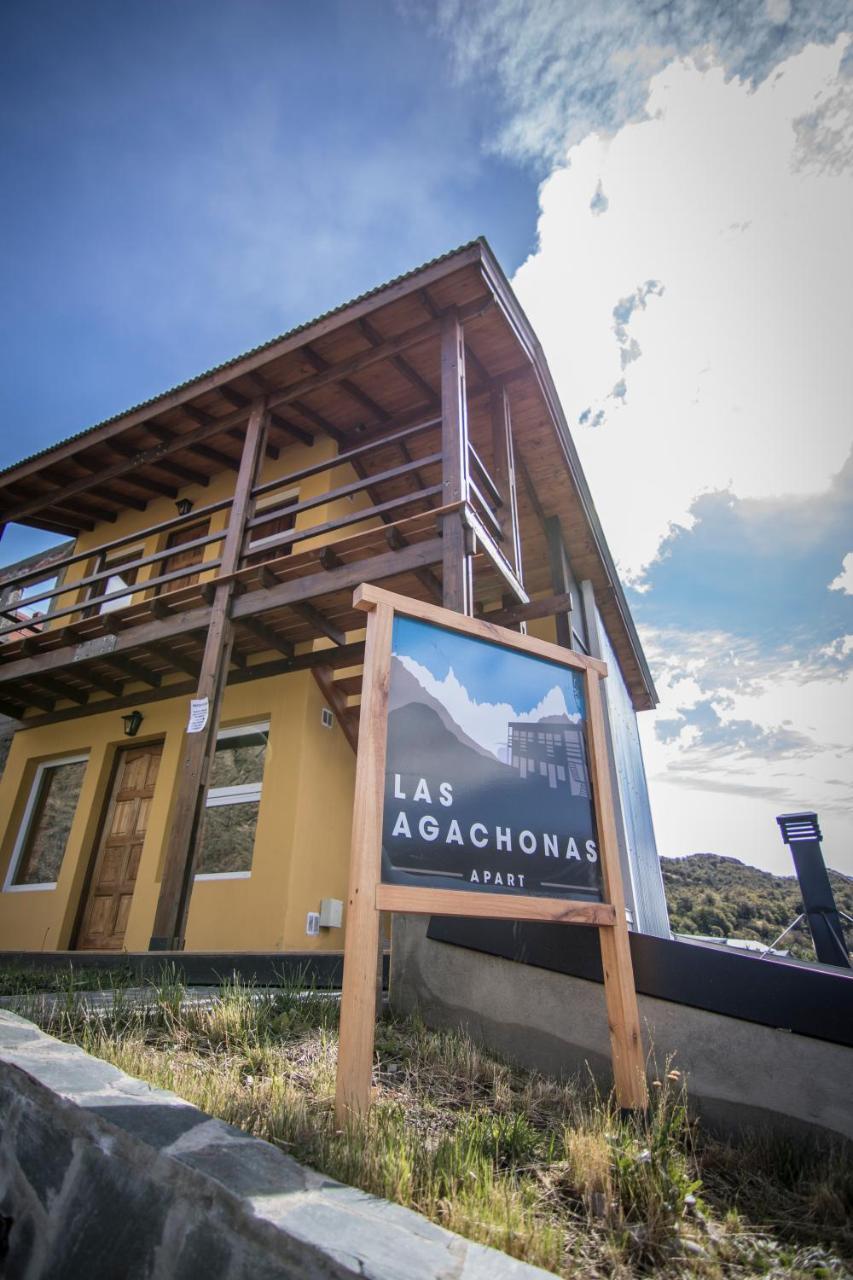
548, 1171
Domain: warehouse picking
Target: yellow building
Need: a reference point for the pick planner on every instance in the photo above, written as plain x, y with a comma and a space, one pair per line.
185, 673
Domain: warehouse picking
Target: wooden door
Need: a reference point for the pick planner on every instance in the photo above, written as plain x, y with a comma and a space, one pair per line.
184, 559
117, 860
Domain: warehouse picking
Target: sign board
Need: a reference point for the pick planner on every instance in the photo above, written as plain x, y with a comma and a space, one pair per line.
482, 789
487, 780
199, 713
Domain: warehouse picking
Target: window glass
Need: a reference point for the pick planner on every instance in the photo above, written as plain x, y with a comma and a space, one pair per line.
228, 838
56, 791
119, 578
228, 829
239, 759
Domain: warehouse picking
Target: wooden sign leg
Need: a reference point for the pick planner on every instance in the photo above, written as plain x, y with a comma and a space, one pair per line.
358, 998
623, 1014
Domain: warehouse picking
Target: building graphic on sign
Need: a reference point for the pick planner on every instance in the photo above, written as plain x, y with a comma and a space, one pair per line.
553, 749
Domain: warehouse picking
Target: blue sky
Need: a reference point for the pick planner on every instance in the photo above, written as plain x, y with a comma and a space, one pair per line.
670, 189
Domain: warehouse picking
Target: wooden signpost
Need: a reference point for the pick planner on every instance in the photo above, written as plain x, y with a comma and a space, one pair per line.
514, 814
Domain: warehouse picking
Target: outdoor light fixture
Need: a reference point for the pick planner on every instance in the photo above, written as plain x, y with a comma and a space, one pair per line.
132, 721
184, 505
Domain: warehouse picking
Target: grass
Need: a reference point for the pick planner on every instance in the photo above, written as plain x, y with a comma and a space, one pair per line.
549, 1172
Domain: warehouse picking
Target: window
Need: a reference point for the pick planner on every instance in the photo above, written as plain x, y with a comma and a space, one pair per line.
119, 578
233, 797
183, 559
52, 802
283, 522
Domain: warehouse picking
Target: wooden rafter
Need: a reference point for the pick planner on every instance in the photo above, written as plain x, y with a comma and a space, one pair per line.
346, 718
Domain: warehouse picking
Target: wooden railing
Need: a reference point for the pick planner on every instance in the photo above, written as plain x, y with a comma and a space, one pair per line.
76, 597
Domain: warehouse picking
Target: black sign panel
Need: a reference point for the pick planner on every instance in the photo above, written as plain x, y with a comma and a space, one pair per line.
487, 782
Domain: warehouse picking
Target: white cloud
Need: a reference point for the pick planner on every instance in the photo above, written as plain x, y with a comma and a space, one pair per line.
485, 722
737, 373
844, 581
724, 797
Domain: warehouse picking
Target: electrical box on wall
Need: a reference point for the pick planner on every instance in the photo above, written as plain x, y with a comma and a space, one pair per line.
312, 924
331, 913
327, 719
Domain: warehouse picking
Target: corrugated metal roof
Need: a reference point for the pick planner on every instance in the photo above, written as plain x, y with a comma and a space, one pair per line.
264, 346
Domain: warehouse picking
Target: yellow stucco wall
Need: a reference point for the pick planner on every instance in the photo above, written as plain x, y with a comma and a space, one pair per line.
301, 850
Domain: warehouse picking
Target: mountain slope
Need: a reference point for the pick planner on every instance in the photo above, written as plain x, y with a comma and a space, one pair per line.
707, 893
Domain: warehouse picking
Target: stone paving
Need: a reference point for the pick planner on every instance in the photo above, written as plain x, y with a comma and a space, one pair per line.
104, 1176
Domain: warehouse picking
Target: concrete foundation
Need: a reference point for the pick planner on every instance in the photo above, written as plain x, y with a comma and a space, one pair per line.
739, 1074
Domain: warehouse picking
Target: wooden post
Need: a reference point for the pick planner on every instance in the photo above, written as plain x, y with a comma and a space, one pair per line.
358, 996
560, 577
191, 790
596, 650
623, 1015
457, 580
503, 463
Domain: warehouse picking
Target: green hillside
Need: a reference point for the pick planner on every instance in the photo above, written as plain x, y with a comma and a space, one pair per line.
710, 894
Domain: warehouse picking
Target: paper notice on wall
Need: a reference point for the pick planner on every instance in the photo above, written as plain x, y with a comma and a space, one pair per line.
199, 711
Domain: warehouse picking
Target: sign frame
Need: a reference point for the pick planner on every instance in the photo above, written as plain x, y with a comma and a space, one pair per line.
368, 896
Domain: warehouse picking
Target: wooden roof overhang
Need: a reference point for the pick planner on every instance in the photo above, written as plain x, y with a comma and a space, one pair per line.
367, 368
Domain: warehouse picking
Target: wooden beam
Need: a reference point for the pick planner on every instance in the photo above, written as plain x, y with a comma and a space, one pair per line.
369, 595
396, 541
380, 441
342, 491
342, 522
308, 613
401, 364
350, 574
133, 670
267, 636
188, 808
352, 655
173, 656
560, 577
324, 676
623, 1015
346, 384
276, 420
492, 906
544, 608
358, 997
60, 689
457, 579
36, 698
324, 582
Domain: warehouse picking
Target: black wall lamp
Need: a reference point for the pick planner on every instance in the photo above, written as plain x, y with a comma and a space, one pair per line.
184, 505
132, 721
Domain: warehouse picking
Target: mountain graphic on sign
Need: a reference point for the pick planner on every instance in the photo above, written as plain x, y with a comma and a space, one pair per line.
482, 726
406, 688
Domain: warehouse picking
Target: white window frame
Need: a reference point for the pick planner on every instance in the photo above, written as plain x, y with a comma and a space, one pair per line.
26, 821
247, 793
262, 504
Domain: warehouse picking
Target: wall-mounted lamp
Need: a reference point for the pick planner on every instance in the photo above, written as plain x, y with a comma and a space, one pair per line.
131, 722
184, 505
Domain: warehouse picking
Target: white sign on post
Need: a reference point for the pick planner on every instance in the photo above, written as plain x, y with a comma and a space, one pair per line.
199, 710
